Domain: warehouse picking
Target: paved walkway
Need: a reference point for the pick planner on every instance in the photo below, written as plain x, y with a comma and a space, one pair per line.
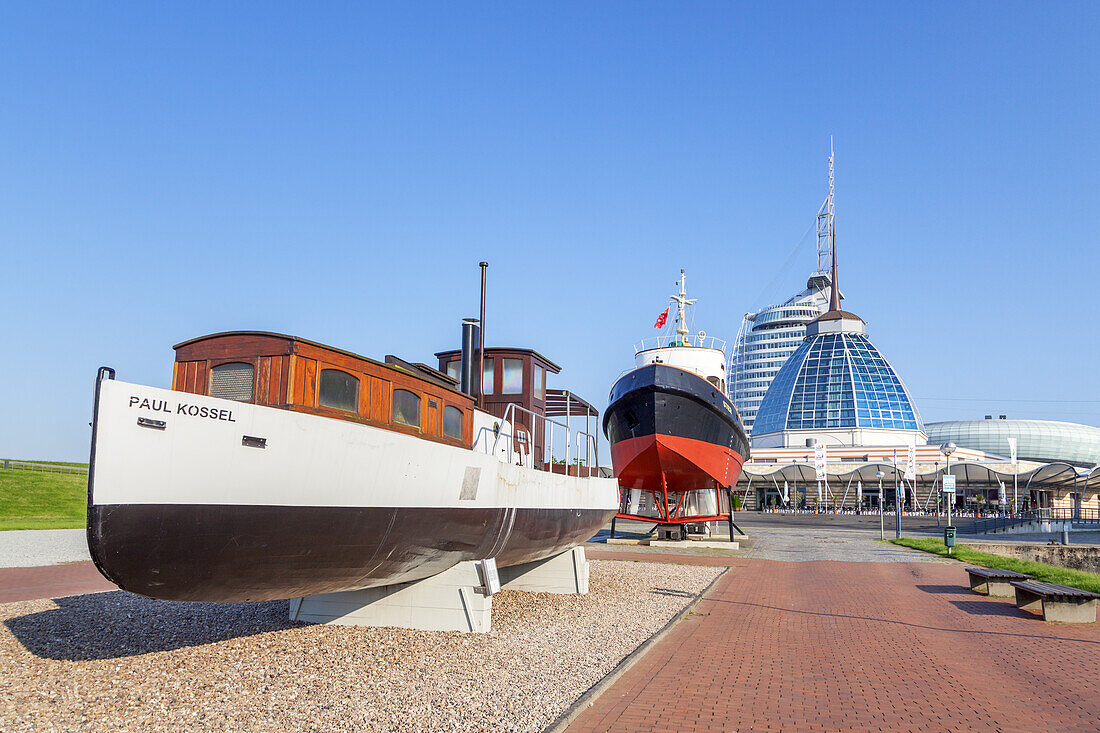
850, 545
831, 645
51, 581
24, 548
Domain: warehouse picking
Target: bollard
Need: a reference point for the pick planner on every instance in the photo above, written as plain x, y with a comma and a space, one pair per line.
1065, 536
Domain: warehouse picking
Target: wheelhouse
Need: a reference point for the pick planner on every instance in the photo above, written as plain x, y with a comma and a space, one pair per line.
294, 374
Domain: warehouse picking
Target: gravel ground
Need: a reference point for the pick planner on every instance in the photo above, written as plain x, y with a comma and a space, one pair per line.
109, 661
28, 548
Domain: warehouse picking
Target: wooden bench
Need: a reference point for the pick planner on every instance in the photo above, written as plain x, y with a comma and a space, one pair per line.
993, 582
1056, 602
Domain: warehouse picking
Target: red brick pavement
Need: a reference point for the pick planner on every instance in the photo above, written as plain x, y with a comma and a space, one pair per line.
857, 646
51, 581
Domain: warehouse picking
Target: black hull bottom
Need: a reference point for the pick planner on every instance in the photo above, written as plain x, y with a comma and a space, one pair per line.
260, 553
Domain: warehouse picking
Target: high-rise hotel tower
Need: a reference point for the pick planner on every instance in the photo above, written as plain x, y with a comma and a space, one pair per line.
769, 336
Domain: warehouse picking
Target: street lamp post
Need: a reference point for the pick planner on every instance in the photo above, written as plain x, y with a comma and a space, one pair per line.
898, 500
947, 449
881, 526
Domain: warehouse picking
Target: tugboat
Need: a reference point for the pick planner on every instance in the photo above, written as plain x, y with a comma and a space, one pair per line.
677, 442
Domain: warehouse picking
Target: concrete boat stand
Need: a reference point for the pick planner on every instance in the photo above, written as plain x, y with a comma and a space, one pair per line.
454, 600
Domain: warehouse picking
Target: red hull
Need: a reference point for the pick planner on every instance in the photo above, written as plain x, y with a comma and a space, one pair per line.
685, 463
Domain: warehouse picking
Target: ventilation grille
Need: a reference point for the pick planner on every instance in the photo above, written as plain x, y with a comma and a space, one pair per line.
232, 382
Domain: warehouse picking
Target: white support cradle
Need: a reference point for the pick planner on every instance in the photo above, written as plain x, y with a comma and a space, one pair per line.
449, 601
566, 573
444, 602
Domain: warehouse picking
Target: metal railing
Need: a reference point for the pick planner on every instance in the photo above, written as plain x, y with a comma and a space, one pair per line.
996, 524
1083, 515
586, 462
44, 467
700, 340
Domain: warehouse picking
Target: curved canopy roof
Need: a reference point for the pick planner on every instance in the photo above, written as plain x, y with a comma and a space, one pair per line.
836, 380
1037, 440
1045, 476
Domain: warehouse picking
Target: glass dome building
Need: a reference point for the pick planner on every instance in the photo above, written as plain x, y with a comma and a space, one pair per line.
1045, 441
839, 389
767, 339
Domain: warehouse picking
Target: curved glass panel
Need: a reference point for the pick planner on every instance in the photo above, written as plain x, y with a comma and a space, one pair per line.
338, 390
406, 408
452, 422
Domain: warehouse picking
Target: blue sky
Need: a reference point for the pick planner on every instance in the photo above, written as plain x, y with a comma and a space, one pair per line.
336, 171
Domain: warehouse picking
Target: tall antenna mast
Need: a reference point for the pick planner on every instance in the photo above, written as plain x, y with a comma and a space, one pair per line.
825, 238
682, 302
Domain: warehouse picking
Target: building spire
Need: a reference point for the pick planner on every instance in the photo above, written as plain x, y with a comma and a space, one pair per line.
834, 295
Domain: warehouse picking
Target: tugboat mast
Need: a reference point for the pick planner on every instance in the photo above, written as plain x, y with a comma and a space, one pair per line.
682, 302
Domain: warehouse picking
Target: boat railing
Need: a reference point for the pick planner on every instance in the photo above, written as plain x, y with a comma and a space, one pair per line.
520, 445
699, 340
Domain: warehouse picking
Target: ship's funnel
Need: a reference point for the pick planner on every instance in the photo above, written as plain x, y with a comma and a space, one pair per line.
469, 379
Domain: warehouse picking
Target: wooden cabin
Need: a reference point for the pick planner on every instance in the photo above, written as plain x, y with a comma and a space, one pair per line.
290, 373
518, 376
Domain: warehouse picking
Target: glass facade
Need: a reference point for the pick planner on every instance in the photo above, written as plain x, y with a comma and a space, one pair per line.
1036, 440
836, 380
767, 339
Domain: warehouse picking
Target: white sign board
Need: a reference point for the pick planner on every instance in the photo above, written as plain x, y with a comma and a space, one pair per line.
820, 457
948, 484
911, 463
1012, 449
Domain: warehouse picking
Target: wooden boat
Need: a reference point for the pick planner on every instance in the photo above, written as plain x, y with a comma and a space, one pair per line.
277, 467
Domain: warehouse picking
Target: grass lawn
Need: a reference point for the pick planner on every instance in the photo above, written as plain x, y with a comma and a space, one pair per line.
1038, 570
46, 463
36, 500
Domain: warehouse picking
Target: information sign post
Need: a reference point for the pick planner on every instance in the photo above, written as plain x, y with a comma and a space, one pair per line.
820, 459
949, 498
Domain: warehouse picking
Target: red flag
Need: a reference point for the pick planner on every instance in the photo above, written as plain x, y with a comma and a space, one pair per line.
661, 319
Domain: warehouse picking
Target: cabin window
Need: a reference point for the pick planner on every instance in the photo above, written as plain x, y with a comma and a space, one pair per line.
232, 381
406, 408
454, 369
452, 422
338, 390
539, 376
487, 377
512, 382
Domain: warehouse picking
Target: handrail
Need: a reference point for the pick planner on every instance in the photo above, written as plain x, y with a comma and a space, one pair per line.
591, 448
696, 341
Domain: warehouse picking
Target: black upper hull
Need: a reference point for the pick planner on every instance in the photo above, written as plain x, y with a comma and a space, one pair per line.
661, 400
